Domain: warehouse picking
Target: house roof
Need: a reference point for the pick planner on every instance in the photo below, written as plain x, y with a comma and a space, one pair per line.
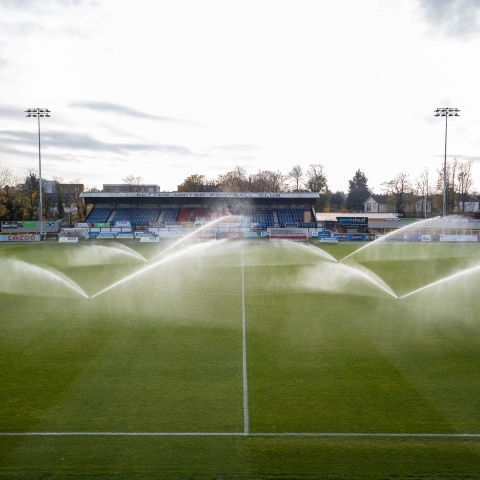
378, 198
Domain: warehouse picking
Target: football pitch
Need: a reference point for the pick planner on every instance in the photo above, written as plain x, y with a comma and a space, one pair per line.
239, 359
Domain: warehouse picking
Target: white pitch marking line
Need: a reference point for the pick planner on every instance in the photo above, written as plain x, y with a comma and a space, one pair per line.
236, 434
246, 426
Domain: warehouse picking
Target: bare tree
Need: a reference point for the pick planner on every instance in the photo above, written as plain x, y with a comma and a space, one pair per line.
450, 184
316, 179
132, 181
7, 177
296, 175
399, 191
464, 181
424, 188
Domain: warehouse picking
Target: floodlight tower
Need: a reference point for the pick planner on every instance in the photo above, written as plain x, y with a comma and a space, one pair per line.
446, 112
39, 112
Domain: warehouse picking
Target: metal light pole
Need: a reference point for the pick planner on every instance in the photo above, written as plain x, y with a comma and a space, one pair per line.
446, 112
39, 112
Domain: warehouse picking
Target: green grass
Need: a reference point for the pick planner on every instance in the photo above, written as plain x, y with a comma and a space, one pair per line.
329, 350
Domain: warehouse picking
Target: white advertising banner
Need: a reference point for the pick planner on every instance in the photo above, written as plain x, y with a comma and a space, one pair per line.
426, 238
149, 239
68, 240
458, 238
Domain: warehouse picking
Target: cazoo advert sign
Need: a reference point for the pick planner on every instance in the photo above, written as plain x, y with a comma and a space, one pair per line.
27, 237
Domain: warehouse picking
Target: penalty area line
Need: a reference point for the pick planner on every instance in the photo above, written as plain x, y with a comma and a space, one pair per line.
237, 434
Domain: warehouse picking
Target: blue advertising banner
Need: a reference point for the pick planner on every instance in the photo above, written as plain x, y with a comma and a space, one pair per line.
93, 234
125, 235
106, 235
324, 234
143, 234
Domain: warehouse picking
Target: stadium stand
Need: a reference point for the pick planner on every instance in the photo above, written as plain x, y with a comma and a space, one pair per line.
289, 216
184, 215
201, 212
98, 215
136, 215
170, 214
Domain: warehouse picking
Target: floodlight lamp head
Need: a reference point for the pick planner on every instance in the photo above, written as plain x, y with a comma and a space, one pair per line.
28, 115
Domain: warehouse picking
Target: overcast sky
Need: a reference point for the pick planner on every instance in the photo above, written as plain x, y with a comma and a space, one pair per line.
165, 89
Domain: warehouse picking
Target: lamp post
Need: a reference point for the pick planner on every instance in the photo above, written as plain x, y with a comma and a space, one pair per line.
445, 112
39, 112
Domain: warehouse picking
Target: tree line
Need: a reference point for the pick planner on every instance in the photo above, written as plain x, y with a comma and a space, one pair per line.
400, 190
20, 198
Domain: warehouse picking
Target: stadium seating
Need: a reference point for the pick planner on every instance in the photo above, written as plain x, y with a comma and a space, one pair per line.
184, 215
292, 215
136, 215
170, 214
201, 212
99, 215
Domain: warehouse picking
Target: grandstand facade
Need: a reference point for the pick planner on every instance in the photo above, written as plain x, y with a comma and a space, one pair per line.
188, 209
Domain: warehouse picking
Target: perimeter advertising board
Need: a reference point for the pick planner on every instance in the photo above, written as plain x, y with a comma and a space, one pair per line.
149, 239
20, 237
123, 235
30, 226
68, 240
353, 221
354, 237
459, 238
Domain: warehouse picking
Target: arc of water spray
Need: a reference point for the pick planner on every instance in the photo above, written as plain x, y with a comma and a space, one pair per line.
443, 280
52, 274
149, 267
178, 242
382, 239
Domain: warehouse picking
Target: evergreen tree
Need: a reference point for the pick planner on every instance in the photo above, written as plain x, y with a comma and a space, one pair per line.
358, 192
61, 204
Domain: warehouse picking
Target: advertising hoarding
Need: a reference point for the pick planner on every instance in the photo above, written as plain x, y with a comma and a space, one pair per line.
20, 237
149, 239
68, 240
